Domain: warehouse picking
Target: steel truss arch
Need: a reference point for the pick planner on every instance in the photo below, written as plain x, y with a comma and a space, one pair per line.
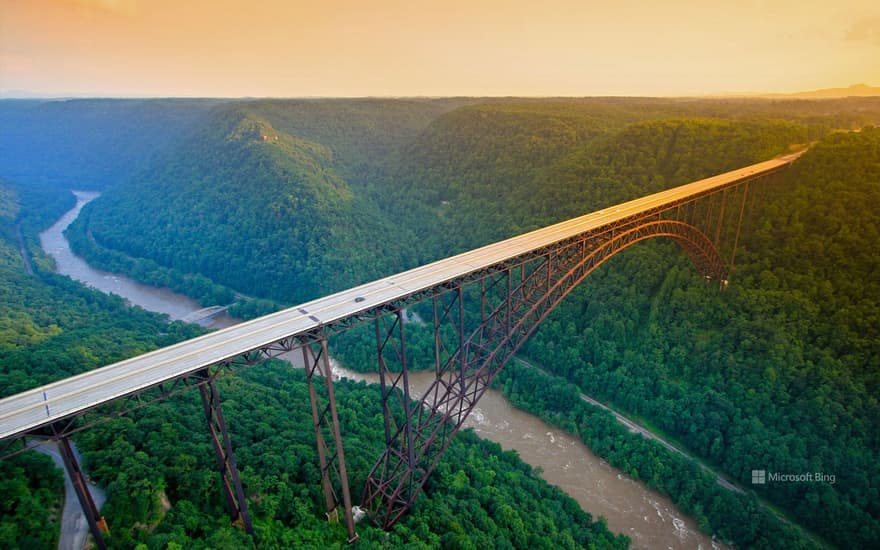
420, 439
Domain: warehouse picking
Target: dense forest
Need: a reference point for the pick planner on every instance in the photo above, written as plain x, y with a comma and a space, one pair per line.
51, 327
781, 371
482, 497
286, 200
414, 179
240, 175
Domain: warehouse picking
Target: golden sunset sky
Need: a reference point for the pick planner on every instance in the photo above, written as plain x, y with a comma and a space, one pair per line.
296, 48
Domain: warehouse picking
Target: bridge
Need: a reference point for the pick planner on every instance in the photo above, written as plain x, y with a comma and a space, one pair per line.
205, 315
482, 304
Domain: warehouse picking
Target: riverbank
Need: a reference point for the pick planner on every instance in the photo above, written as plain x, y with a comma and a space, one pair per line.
161, 300
636, 427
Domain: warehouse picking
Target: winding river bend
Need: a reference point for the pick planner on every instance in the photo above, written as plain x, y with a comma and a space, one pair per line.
161, 300
648, 518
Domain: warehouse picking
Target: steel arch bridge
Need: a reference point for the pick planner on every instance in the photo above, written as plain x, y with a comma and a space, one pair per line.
484, 305
417, 439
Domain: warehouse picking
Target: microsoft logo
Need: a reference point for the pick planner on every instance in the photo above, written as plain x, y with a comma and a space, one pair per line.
761, 477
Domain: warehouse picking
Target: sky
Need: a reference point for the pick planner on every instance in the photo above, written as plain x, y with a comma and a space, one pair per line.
298, 48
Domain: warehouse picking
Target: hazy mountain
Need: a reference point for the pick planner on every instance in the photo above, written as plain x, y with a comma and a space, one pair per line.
89, 143
854, 90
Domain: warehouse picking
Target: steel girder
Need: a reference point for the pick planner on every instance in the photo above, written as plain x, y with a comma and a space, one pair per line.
97, 525
236, 503
328, 436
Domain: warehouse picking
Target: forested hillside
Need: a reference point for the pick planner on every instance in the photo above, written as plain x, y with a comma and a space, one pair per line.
157, 464
781, 371
291, 199
361, 133
491, 174
268, 187
89, 143
241, 200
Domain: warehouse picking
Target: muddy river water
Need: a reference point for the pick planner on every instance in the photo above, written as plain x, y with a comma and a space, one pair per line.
648, 518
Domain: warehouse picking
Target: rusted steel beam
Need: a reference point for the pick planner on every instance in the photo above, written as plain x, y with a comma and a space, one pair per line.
236, 502
97, 524
326, 419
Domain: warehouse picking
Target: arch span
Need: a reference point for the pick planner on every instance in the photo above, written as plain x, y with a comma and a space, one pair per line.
420, 439
701, 250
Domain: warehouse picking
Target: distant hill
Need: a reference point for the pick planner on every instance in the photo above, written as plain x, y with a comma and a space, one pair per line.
488, 172
856, 90
89, 143
241, 198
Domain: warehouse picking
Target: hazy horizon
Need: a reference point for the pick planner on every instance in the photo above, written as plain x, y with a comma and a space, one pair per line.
26, 94
390, 48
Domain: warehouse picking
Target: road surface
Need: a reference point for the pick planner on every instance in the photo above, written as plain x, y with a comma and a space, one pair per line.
635, 427
23, 250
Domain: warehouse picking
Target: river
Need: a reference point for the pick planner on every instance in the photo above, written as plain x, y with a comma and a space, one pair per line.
161, 300
648, 518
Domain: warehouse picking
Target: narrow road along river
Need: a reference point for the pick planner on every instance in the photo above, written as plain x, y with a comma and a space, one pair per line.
648, 518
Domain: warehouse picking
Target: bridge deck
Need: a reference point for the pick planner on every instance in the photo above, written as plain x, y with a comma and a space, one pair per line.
40, 406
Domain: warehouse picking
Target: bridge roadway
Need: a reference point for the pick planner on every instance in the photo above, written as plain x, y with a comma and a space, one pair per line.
29, 410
